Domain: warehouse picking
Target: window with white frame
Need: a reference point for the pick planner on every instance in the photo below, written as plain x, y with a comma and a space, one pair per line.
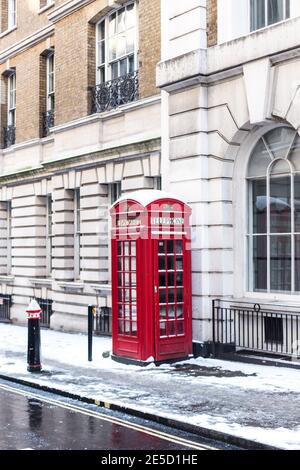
274, 213
11, 10
267, 12
49, 223
11, 100
115, 192
117, 44
77, 234
50, 82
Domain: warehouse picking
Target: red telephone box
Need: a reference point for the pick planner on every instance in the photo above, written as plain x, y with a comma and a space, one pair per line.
151, 277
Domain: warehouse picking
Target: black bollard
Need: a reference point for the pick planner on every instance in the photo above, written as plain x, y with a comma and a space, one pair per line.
91, 312
34, 337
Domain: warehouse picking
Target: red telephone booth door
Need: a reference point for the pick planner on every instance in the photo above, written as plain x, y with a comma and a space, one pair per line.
172, 299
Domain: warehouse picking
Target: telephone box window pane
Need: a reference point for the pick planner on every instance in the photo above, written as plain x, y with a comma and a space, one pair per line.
120, 280
171, 328
179, 311
133, 329
161, 263
127, 328
133, 295
133, 279
162, 296
126, 267
171, 279
162, 279
179, 247
163, 312
171, 296
127, 280
179, 279
179, 263
180, 328
121, 326
171, 311
127, 311
170, 246
179, 295
133, 249
127, 295
163, 329
171, 263
133, 313
120, 295
133, 264
119, 248
120, 311
126, 248
120, 264
161, 247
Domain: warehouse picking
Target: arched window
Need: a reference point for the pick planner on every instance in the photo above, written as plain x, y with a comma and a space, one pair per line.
274, 213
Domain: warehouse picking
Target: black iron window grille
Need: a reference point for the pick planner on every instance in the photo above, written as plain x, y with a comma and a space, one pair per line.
102, 322
46, 307
9, 136
114, 93
48, 122
5, 304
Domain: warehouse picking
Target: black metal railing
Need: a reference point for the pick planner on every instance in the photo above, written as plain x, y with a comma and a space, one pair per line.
46, 307
102, 323
9, 133
114, 93
268, 328
5, 304
48, 122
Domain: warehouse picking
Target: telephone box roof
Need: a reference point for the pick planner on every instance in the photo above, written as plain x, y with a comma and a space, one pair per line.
147, 196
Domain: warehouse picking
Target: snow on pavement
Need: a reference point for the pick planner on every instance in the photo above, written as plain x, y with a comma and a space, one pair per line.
256, 402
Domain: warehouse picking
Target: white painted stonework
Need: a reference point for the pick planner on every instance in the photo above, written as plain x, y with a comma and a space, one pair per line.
87, 155
213, 118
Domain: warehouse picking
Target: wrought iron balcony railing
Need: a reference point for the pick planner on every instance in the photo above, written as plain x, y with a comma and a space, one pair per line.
9, 136
48, 122
114, 93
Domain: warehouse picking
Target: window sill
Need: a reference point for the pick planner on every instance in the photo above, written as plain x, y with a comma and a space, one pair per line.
6, 279
45, 8
7, 31
41, 281
71, 286
103, 289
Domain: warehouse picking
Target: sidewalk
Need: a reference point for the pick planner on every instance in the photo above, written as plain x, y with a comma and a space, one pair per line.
260, 403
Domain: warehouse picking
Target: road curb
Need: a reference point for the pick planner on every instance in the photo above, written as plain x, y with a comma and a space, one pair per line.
244, 443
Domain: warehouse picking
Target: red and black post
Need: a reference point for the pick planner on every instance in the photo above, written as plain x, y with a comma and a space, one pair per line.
34, 337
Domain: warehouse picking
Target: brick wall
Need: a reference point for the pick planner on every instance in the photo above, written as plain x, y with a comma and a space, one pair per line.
150, 45
75, 50
212, 25
3, 15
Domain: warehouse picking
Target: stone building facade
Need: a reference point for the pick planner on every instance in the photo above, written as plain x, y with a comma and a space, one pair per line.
80, 121
229, 76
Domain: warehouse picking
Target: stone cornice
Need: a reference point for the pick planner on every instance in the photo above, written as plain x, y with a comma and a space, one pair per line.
79, 162
27, 42
66, 9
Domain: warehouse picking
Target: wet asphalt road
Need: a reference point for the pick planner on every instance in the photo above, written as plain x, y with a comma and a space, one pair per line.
30, 419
